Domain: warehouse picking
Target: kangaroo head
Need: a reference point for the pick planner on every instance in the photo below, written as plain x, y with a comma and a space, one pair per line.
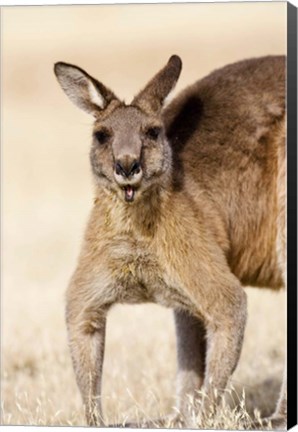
129, 152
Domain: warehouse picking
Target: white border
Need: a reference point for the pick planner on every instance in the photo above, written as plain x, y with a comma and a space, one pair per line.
96, 2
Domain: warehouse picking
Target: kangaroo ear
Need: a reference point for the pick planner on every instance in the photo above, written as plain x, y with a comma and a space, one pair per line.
153, 96
83, 90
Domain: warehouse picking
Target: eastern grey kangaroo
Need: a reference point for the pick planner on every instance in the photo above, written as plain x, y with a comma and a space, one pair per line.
189, 209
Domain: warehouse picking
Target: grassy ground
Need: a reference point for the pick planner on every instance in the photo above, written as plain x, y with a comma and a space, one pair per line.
47, 194
38, 385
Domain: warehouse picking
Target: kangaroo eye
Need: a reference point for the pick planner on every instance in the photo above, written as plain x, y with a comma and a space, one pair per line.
153, 132
102, 136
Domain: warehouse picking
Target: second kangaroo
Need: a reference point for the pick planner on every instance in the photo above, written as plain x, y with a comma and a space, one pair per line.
189, 208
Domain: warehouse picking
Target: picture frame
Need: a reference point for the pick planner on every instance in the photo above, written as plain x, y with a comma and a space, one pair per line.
47, 196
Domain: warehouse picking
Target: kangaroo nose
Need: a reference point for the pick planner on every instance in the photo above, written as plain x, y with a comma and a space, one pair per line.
127, 167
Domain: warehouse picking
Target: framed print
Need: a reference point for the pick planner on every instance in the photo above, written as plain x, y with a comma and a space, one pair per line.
149, 213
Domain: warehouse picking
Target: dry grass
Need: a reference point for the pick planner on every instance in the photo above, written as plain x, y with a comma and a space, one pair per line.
47, 196
38, 385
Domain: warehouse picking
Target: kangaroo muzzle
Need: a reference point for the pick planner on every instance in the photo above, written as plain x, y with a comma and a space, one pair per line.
128, 174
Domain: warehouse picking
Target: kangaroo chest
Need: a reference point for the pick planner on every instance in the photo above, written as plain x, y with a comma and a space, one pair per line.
140, 275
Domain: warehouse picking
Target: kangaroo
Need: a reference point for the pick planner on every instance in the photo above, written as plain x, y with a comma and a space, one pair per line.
189, 209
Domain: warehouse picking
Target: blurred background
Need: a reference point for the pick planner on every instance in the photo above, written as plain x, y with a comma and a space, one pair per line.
47, 196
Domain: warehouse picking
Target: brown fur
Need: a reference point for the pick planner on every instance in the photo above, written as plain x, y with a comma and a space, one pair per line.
206, 218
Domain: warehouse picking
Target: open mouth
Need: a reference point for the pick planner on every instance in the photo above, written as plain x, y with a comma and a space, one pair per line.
129, 193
